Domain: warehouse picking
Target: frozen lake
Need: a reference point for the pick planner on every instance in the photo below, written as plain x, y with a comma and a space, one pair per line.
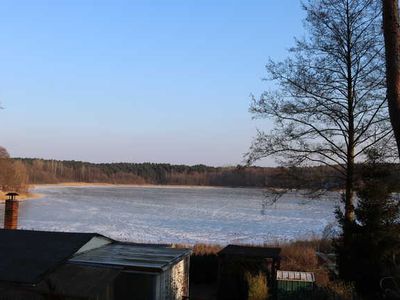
176, 214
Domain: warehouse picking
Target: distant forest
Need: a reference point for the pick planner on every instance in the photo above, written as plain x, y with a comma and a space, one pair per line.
41, 171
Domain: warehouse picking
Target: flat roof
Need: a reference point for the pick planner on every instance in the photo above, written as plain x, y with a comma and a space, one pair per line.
132, 256
249, 251
295, 276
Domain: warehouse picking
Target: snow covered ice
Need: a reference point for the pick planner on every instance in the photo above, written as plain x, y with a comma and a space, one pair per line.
177, 214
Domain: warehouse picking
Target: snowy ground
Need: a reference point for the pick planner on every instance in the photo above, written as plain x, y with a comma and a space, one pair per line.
177, 215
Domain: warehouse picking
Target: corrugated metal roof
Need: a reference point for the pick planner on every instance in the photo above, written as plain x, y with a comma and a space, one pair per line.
295, 276
132, 256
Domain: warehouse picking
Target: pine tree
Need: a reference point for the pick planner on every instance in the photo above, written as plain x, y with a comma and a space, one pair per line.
371, 255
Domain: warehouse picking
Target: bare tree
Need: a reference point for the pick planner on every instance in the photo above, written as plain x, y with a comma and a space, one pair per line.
330, 107
3, 153
391, 31
13, 174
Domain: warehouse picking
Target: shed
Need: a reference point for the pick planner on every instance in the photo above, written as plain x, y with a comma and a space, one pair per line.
154, 272
36, 264
236, 260
251, 252
290, 282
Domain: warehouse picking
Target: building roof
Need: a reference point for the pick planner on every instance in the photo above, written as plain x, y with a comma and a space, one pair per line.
82, 282
26, 256
132, 256
249, 251
295, 276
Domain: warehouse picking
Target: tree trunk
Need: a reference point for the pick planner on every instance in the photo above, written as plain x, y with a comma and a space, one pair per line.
349, 195
391, 32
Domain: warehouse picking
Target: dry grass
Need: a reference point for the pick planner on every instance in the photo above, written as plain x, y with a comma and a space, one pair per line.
296, 256
301, 256
206, 249
258, 289
343, 290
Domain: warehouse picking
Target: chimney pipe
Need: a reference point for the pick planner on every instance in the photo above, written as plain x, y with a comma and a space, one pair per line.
11, 212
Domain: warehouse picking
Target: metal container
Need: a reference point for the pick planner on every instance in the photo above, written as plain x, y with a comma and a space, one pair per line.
290, 283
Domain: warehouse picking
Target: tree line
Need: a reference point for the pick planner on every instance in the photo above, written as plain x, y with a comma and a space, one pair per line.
41, 171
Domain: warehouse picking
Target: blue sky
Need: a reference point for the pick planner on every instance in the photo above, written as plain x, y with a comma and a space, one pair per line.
159, 81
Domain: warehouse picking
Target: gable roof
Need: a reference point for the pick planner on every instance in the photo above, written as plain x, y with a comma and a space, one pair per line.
26, 255
250, 251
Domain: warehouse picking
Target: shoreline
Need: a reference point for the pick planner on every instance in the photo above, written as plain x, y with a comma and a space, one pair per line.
101, 184
31, 195
34, 196
22, 196
163, 186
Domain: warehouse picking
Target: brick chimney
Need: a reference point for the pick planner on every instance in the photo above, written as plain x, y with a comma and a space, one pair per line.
11, 212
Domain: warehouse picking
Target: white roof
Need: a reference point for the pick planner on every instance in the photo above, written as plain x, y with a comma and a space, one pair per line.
295, 276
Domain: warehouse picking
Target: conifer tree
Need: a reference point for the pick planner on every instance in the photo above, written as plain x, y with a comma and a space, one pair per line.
375, 246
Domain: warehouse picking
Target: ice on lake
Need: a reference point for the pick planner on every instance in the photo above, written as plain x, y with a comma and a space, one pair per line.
177, 215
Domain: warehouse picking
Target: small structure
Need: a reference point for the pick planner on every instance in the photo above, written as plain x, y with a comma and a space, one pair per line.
40, 264
235, 261
290, 283
149, 272
11, 211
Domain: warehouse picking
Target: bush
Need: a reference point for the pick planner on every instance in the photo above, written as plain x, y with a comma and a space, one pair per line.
298, 258
257, 286
301, 256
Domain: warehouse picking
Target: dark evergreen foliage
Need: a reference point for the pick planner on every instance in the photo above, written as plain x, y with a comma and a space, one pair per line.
372, 250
